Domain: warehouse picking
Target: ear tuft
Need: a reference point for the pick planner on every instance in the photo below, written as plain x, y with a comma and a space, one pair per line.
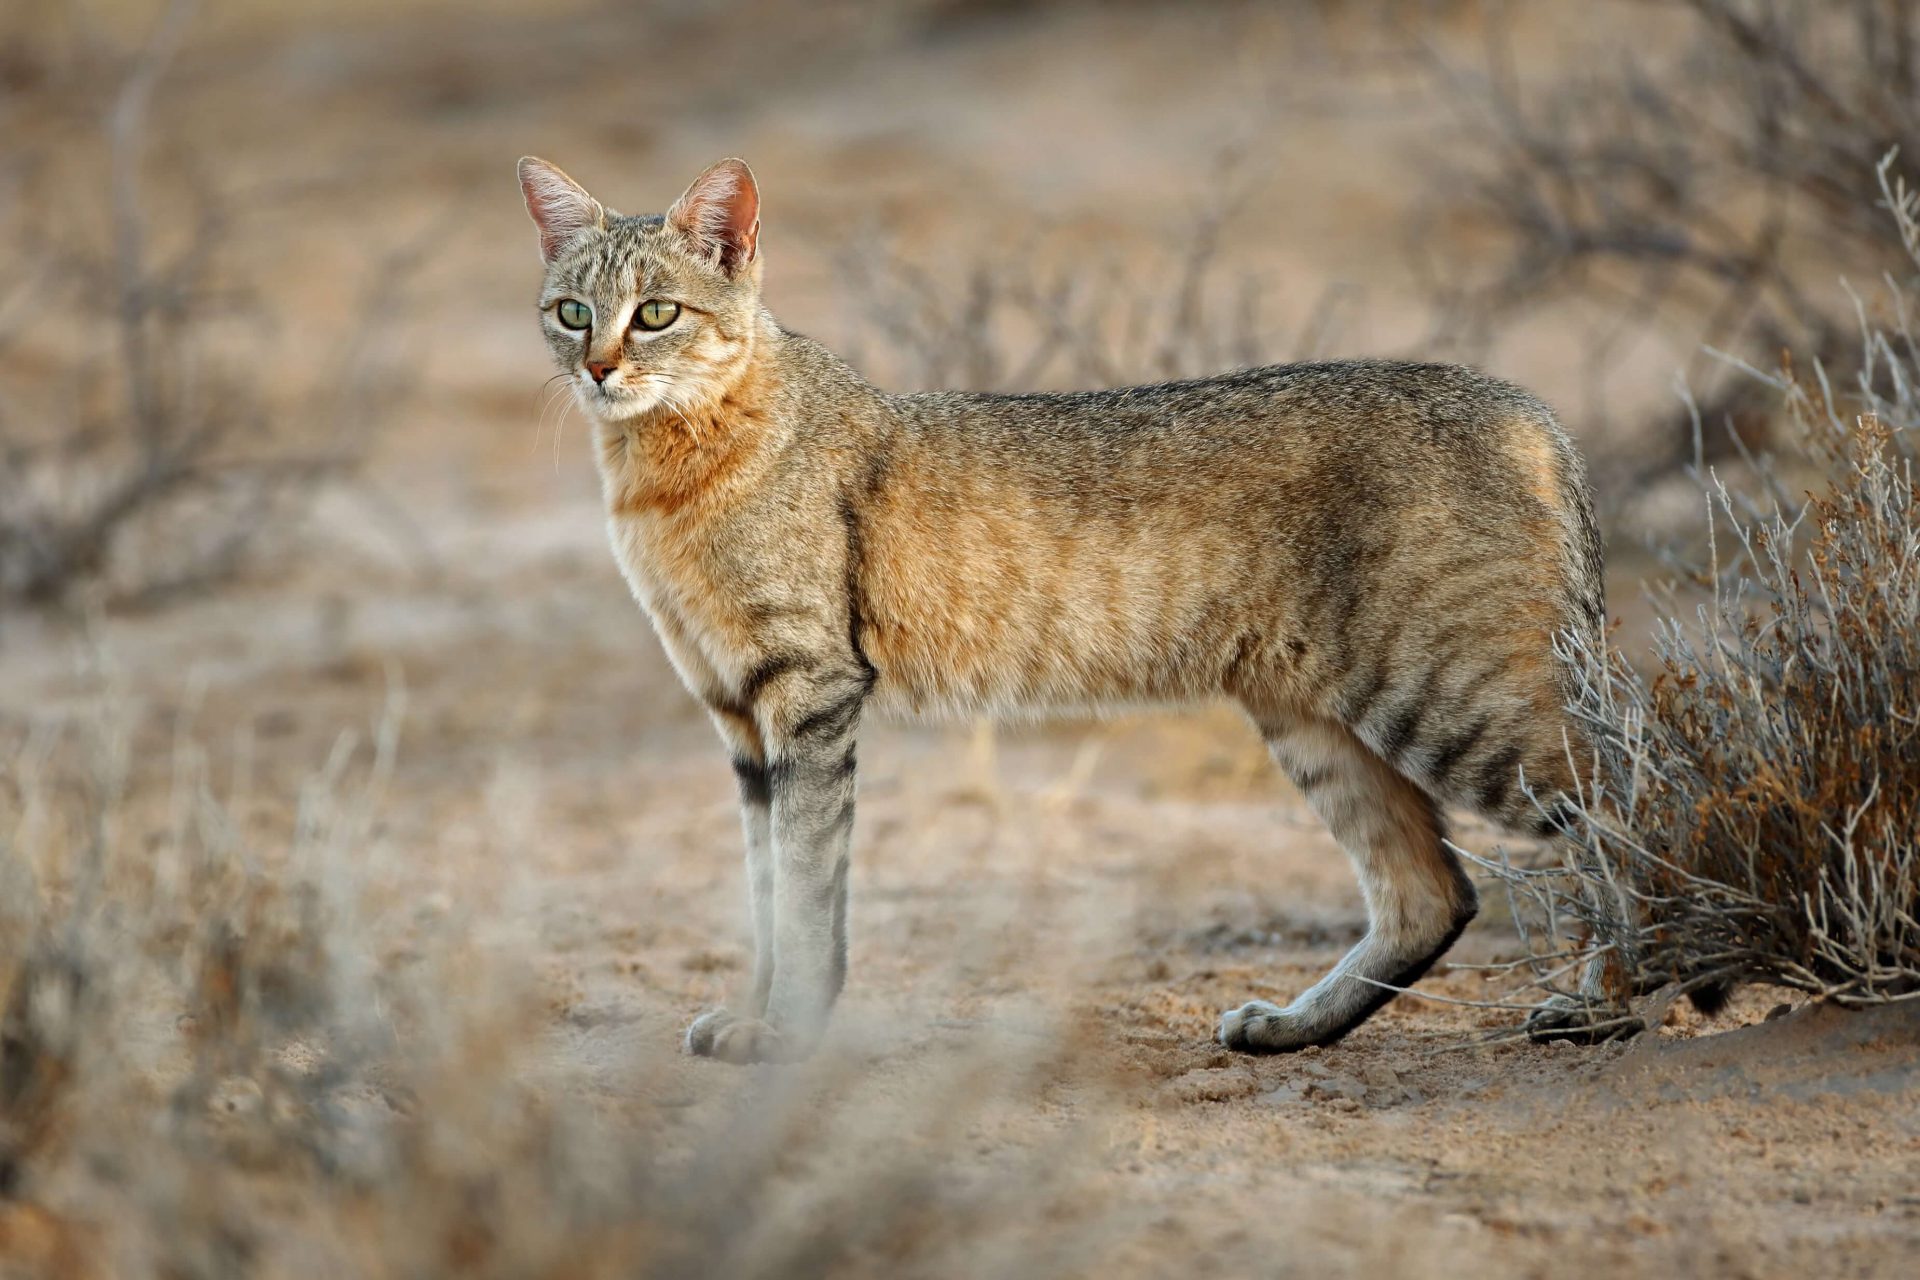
559, 206
720, 213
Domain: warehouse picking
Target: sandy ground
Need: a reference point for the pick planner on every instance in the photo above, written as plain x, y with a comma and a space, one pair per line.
1108, 889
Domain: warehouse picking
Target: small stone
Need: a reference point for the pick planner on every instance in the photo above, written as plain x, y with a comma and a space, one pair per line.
1338, 1088
1380, 1075
1211, 1084
236, 1095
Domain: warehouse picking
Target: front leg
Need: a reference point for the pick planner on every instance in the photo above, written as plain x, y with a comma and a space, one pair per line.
798, 805
733, 1034
811, 749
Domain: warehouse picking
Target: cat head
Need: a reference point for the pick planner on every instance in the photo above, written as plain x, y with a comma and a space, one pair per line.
648, 313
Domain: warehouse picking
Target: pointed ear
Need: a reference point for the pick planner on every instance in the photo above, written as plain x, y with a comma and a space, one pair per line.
720, 213
560, 207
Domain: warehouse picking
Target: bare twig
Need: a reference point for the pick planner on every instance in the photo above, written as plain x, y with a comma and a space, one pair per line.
1709, 177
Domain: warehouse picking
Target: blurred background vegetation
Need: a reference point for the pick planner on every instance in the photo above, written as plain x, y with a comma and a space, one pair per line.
254, 244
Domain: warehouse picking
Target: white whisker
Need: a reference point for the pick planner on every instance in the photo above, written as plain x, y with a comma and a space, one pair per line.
559, 428
540, 422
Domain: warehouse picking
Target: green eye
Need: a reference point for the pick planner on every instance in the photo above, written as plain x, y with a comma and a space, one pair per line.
656, 315
574, 315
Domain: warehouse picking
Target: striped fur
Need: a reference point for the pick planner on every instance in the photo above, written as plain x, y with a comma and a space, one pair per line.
1372, 558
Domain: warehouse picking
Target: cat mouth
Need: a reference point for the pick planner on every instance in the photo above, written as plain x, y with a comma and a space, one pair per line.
622, 400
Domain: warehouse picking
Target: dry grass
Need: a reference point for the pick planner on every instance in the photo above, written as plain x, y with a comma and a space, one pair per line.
1752, 809
227, 1051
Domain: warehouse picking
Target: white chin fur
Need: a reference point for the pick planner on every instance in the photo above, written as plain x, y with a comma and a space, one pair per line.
618, 403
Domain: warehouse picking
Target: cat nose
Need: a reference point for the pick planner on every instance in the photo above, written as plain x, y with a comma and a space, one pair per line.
599, 369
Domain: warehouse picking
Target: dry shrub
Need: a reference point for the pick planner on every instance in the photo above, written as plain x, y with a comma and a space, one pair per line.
1057, 313
1752, 808
1705, 172
232, 1048
142, 456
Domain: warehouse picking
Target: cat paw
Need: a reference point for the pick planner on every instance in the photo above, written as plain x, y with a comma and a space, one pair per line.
1259, 1027
1581, 1022
730, 1038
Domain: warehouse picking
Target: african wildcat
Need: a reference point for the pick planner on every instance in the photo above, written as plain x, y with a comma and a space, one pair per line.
1371, 558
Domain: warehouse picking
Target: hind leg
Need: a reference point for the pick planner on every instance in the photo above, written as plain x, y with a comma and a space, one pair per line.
1599, 1009
1418, 898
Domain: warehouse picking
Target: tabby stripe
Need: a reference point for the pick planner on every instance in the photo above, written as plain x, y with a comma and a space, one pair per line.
831, 721
1456, 748
1354, 707
767, 672
1465, 596
756, 781
856, 559
1497, 777
1558, 818
1310, 777
821, 771
1404, 723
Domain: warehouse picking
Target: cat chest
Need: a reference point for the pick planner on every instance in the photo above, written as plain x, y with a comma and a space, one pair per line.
723, 600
